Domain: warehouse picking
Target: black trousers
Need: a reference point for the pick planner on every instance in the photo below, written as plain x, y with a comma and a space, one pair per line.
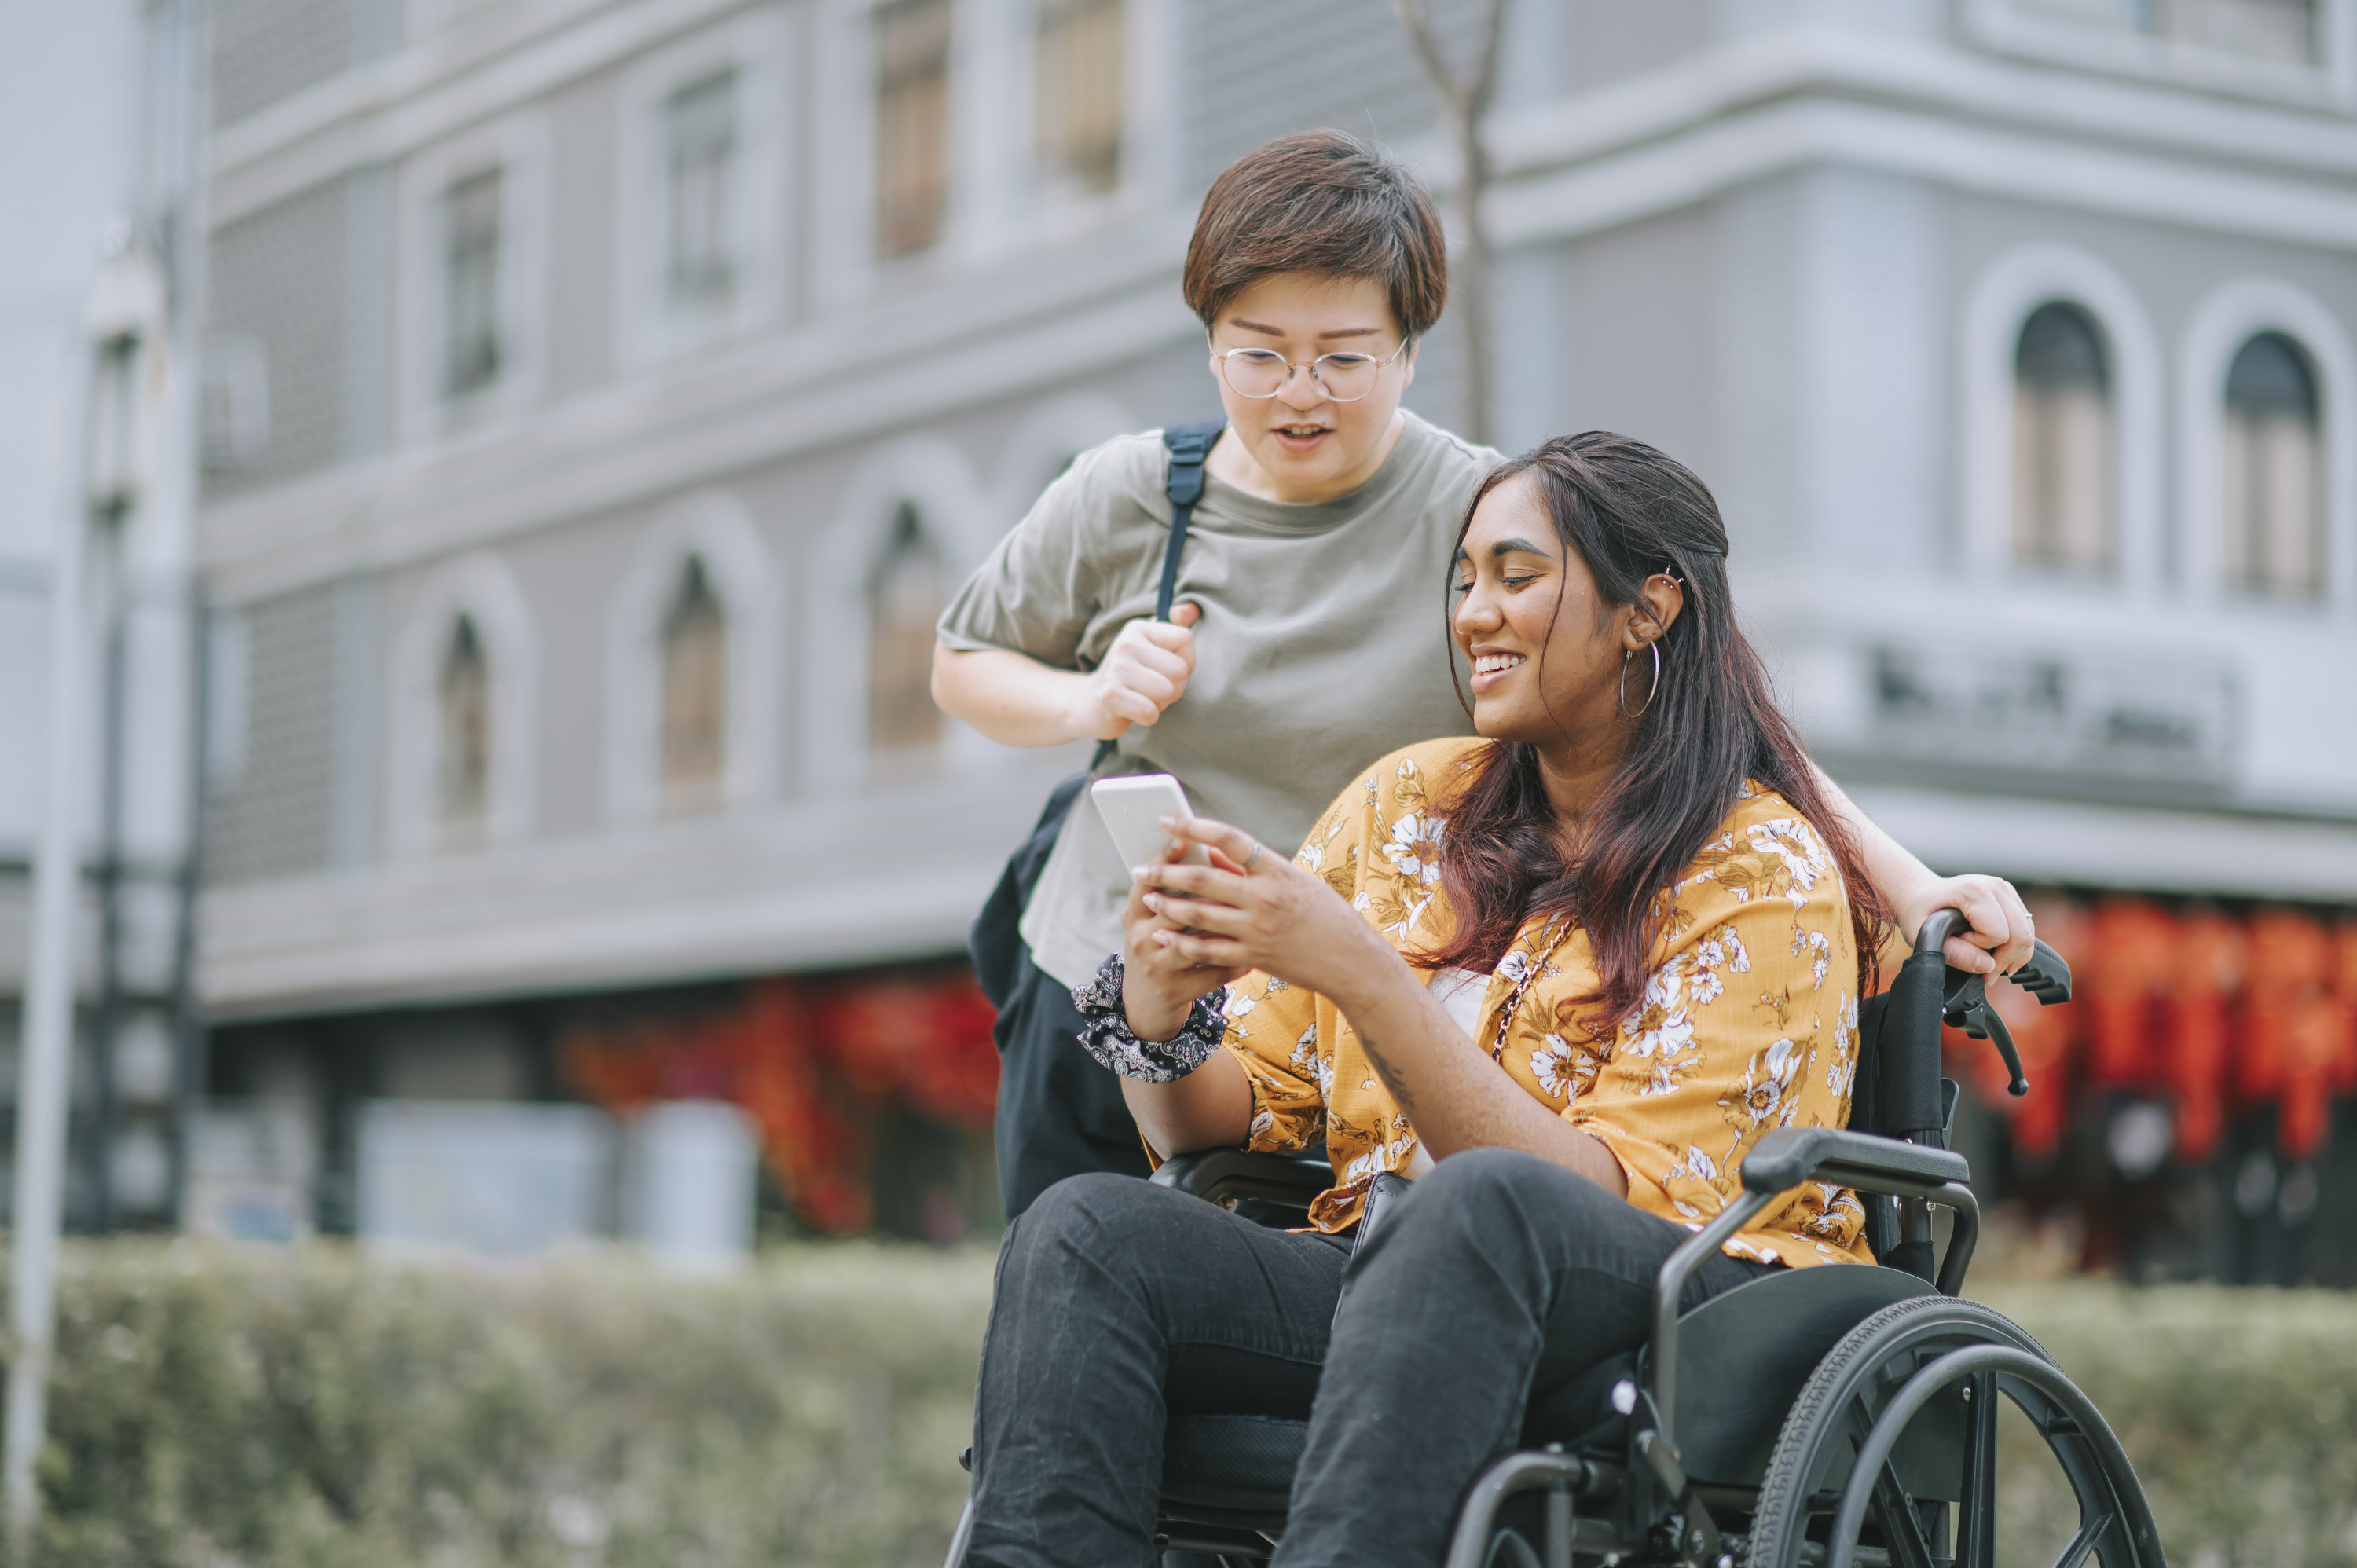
1059, 1114
1493, 1282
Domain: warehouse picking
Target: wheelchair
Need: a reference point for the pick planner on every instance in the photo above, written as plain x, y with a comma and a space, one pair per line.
1811, 1418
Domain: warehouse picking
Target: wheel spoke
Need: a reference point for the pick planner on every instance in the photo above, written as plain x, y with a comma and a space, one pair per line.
1902, 1531
1976, 1514
2091, 1532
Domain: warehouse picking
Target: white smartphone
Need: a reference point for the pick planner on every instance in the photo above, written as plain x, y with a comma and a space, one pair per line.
1132, 805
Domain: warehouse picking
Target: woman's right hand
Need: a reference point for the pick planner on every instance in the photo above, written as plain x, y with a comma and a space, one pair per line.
1159, 986
1143, 672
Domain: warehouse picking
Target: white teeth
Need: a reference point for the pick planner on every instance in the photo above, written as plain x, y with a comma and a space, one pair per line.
1491, 663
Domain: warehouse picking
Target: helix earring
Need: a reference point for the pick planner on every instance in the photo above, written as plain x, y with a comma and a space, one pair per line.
1653, 691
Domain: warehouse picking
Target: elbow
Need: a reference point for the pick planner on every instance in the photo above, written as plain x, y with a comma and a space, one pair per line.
945, 686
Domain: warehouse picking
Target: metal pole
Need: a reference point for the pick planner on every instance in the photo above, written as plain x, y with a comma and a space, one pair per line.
46, 1071
188, 1037
112, 590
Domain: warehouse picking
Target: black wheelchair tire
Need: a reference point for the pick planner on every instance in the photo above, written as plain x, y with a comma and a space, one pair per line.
1855, 1380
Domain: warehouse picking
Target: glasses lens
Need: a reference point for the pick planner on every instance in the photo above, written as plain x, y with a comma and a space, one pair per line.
1347, 378
1253, 372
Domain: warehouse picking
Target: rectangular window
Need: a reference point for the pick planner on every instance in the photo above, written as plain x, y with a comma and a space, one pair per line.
470, 293
912, 90
701, 132
2282, 32
1079, 94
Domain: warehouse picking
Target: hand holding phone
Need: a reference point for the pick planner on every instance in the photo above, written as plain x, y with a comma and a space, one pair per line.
1133, 806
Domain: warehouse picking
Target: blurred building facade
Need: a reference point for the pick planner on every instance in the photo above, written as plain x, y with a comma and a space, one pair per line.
602, 398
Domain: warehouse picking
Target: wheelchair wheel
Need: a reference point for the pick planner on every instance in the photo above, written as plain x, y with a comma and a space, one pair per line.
1913, 1391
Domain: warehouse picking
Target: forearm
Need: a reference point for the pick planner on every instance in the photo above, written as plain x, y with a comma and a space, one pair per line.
1457, 1098
1013, 699
1896, 874
1210, 1108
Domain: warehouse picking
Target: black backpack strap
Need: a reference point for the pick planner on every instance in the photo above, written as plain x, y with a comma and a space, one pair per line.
1188, 443
1182, 481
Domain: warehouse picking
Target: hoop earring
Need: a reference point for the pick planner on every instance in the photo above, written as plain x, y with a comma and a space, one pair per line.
1621, 700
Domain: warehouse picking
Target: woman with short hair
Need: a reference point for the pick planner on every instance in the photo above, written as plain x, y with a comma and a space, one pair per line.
1573, 969
1302, 642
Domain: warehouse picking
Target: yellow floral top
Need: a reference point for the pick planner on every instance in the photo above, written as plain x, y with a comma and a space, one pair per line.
1749, 1022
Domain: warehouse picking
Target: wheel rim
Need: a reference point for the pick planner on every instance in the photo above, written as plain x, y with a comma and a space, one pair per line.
1813, 1470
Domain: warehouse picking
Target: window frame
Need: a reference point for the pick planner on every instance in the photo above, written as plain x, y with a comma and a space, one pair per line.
1999, 305
715, 526
518, 145
481, 587
2229, 315
758, 49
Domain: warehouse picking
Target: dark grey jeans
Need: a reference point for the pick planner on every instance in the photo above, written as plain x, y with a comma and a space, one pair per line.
1496, 1279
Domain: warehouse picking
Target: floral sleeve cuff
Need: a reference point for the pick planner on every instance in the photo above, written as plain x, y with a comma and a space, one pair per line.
1106, 1032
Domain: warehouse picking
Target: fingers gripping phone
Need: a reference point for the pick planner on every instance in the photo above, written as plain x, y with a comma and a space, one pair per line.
1131, 806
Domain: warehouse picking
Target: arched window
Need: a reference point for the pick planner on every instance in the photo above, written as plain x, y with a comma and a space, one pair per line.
2062, 443
2271, 466
695, 693
904, 599
462, 690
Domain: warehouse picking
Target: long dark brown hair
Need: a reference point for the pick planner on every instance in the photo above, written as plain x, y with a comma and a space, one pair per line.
1629, 511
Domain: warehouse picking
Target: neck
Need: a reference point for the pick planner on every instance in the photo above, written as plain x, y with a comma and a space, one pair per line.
1576, 775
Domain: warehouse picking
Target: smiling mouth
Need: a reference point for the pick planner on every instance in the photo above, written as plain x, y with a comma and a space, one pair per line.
1301, 432
1497, 663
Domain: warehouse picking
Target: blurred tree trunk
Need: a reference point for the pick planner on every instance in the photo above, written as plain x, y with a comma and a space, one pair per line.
1465, 92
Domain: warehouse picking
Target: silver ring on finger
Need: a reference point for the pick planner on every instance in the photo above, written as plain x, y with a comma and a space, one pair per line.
1257, 847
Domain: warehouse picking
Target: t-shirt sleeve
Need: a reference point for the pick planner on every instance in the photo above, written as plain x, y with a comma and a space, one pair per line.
1035, 593
1748, 1023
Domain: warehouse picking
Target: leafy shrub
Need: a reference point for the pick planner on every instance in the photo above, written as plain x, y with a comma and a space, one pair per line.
217, 1407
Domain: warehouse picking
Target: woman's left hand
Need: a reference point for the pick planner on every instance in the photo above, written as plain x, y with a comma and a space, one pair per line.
2000, 937
1253, 909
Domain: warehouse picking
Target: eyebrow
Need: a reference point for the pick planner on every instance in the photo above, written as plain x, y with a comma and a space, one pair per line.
1515, 546
1279, 332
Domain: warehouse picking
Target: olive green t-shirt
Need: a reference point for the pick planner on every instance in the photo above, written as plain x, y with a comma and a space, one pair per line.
1323, 644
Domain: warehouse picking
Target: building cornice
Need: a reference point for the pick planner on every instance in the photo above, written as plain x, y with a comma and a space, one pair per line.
1769, 67
1664, 175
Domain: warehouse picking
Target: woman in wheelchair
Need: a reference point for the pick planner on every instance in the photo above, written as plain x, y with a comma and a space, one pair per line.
1576, 969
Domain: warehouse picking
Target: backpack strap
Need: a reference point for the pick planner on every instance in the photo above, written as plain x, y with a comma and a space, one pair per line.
1182, 481
1188, 443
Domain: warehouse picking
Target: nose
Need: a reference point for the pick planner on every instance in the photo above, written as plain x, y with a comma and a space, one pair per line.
1302, 391
1475, 613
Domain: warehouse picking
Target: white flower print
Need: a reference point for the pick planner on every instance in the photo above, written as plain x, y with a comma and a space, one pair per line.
1820, 947
1691, 1184
1415, 847
1516, 967
1795, 844
1381, 1157
1766, 1095
1563, 1069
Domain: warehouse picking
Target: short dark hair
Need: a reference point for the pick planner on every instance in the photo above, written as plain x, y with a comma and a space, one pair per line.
1325, 202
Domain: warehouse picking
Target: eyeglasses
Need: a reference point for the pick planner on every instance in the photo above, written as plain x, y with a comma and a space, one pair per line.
1264, 372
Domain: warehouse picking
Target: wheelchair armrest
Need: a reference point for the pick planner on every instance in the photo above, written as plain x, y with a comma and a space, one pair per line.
1785, 1158
1219, 1175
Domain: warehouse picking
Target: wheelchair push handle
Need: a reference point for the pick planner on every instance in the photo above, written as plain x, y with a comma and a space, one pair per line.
1964, 999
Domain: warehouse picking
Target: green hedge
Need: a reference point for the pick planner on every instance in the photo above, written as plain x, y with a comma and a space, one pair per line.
218, 1407
226, 1408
